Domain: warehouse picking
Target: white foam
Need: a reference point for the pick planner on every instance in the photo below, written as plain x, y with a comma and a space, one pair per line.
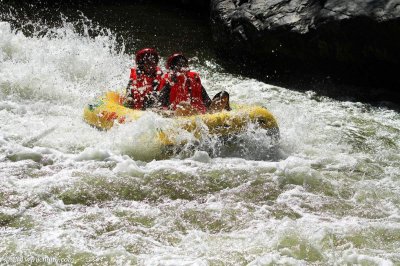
201, 156
128, 166
93, 154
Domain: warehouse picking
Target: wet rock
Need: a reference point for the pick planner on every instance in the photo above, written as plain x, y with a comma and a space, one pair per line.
354, 42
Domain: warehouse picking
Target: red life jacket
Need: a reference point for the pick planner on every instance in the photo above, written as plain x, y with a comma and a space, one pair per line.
142, 85
187, 88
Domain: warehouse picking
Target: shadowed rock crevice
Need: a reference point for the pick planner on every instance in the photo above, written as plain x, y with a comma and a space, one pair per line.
349, 43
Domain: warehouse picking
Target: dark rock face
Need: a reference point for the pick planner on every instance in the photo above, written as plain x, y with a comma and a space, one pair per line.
204, 4
352, 41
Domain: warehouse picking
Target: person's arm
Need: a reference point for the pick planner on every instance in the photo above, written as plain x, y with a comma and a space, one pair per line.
163, 96
206, 98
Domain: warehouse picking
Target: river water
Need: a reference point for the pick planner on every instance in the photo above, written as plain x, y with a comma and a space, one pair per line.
328, 194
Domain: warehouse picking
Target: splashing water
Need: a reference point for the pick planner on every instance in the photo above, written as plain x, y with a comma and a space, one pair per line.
329, 194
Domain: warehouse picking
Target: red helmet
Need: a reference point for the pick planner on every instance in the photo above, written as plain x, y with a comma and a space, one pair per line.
146, 53
177, 60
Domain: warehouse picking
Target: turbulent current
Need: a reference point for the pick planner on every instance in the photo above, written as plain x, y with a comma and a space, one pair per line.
328, 194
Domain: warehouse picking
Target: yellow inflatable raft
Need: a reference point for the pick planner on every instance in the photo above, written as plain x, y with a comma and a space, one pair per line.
109, 110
